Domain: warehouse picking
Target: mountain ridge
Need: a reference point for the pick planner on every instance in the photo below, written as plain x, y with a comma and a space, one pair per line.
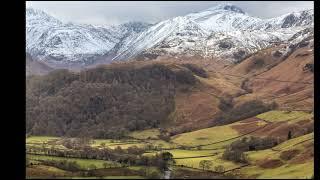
224, 31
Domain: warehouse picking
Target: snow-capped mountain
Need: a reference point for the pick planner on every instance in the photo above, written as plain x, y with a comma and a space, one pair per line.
224, 31
56, 42
165, 34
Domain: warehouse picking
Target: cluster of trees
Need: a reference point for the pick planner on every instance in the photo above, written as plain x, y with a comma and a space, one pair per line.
235, 151
207, 165
76, 143
104, 102
256, 64
230, 113
253, 143
123, 156
219, 169
226, 103
150, 173
309, 66
235, 155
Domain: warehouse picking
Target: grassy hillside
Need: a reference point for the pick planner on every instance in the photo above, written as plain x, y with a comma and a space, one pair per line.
278, 116
216, 135
291, 159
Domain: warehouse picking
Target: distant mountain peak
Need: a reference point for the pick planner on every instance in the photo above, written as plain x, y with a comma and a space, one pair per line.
34, 11
37, 14
227, 7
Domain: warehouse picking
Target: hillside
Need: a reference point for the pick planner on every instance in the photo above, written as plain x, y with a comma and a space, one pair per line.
102, 100
239, 117
218, 96
283, 73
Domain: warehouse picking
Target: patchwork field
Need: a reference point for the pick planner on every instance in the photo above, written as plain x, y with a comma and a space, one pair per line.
291, 158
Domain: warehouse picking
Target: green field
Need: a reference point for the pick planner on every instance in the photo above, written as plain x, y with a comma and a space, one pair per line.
205, 136
145, 134
213, 155
162, 144
278, 116
288, 169
40, 139
215, 137
112, 142
216, 160
122, 145
290, 143
84, 163
179, 153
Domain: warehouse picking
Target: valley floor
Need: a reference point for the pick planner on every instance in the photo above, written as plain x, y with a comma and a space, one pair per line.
291, 158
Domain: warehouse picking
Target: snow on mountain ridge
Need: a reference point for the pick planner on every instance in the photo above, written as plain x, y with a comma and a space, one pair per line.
157, 33
301, 18
38, 15
217, 20
223, 31
51, 40
248, 34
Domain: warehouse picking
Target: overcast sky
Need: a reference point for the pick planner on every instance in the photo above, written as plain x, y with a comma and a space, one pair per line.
117, 12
